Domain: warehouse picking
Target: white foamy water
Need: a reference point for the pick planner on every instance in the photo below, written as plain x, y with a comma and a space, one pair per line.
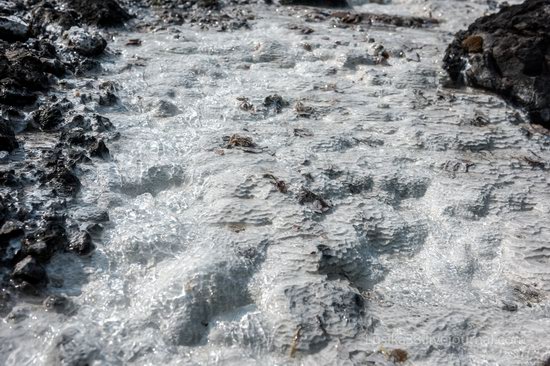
437, 222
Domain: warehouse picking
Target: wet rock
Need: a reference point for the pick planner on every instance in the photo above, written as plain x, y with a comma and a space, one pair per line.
108, 99
8, 178
29, 270
239, 141
303, 110
85, 43
399, 21
39, 250
73, 347
58, 303
101, 124
81, 243
275, 102
45, 14
44, 241
245, 105
49, 118
13, 29
10, 230
17, 315
354, 59
93, 214
5, 302
100, 150
103, 13
165, 108
134, 42
87, 66
507, 53
8, 7
12, 94
243, 143
318, 3
8, 142
509, 306
64, 179
302, 132
350, 18
318, 203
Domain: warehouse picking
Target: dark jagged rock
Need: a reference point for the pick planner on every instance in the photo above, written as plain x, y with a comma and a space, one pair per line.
39, 185
13, 29
29, 270
69, 13
508, 53
318, 3
10, 230
46, 13
46, 240
8, 142
100, 150
8, 178
86, 43
81, 243
48, 118
26, 69
103, 13
275, 102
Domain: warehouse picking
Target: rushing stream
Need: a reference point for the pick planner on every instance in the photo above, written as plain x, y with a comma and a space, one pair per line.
373, 209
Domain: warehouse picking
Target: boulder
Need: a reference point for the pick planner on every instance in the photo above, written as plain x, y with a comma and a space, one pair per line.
85, 43
29, 270
13, 29
8, 141
508, 53
103, 13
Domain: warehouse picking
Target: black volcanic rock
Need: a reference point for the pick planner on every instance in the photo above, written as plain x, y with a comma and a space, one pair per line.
8, 141
13, 29
103, 13
508, 53
29, 270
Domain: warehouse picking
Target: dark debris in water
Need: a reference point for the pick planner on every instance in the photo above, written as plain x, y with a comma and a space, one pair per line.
303, 110
275, 102
133, 42
245, 105
318, 203
239, 141
243, 143
279, 183
302, 132
301, 28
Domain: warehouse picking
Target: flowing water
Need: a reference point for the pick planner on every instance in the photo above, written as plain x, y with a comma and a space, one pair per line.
437, 230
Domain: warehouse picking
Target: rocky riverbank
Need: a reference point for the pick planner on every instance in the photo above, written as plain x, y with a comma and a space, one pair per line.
50, 129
